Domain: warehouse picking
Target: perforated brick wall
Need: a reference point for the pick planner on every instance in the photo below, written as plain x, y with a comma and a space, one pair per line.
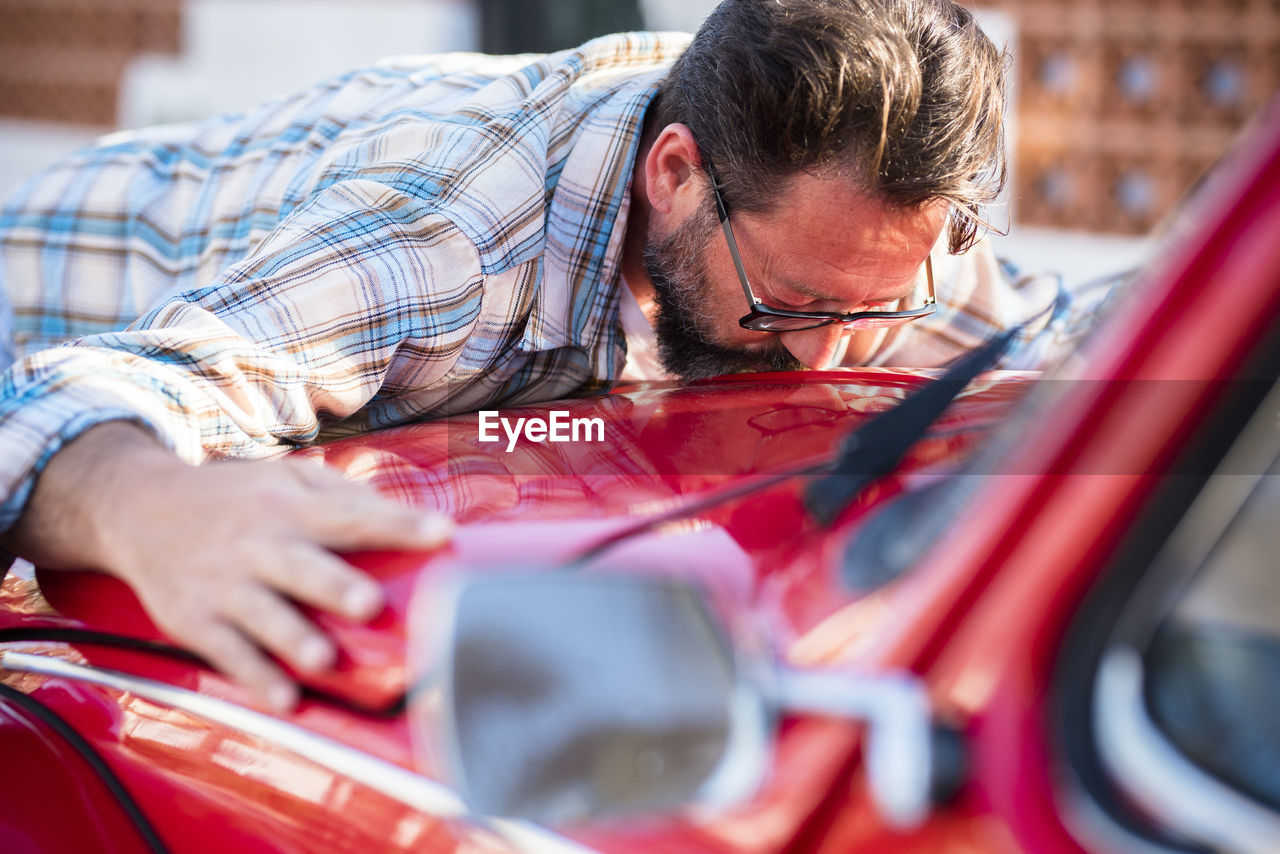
1125, 104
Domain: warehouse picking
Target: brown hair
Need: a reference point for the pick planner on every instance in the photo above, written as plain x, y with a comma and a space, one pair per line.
906, 95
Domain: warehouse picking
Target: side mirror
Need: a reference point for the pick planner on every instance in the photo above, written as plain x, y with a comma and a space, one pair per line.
560, 697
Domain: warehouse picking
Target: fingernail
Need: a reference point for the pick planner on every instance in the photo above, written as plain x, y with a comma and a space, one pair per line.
362, 600
282, 697
435, 528
315, 654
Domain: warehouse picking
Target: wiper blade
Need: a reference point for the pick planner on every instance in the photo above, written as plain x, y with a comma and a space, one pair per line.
878, 446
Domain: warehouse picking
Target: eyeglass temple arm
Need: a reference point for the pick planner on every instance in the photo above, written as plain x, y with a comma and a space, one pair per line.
737, 260
723, 213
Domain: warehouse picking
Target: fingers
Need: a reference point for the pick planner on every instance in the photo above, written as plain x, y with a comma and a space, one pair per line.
321, 579
233, 628
230, 628
276, 626
238, 658
221, 554
348, 516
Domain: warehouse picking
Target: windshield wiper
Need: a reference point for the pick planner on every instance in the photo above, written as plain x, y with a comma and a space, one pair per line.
878, 446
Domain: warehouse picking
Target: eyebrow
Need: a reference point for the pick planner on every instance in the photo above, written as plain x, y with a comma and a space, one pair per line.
804, 289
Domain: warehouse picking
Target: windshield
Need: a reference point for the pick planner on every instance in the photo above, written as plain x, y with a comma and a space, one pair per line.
878, 554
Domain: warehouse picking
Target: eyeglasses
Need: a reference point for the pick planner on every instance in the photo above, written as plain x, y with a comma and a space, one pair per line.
765, 318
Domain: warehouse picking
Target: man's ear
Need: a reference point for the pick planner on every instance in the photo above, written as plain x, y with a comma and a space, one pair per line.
669, 169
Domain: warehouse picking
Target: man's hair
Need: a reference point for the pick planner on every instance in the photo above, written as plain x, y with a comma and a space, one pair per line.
906, 96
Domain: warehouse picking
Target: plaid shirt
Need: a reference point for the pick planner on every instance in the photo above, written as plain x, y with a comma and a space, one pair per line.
430, 235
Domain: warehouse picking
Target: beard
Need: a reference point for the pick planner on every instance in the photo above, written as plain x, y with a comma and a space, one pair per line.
685, 323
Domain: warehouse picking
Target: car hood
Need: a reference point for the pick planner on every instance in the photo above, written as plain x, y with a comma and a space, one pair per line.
767, 564
659, 445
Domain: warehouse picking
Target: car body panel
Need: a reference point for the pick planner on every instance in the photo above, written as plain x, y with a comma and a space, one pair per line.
758, 553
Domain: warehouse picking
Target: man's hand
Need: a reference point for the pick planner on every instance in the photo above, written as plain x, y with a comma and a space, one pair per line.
216, 552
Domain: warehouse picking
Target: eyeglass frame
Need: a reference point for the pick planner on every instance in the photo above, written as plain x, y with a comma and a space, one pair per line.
759, 310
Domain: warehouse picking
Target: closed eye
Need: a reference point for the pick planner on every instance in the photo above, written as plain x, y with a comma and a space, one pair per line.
792, 300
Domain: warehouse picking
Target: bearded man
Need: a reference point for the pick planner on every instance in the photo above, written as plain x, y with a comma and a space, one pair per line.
444, 234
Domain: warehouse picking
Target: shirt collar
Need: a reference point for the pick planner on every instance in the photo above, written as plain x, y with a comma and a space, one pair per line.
576, 302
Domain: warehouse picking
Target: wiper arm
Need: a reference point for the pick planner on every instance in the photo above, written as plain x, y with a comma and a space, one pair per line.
878, 446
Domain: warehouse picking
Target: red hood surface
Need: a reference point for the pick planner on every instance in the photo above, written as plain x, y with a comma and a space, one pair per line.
541, 503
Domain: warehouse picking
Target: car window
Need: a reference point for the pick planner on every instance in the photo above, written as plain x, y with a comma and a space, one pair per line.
1213, 668
1186, 692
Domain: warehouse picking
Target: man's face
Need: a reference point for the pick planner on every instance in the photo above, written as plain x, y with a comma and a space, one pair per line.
826, 246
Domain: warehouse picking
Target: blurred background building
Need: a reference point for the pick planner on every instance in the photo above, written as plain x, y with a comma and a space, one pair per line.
1125, 104
1121, 105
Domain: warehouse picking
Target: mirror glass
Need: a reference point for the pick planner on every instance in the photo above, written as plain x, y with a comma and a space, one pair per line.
571, 696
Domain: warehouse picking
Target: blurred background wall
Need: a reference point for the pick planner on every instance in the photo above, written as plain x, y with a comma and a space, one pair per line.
1121, 105
71, 70
1125, 104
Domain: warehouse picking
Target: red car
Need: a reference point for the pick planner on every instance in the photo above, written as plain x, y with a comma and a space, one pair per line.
1067, 585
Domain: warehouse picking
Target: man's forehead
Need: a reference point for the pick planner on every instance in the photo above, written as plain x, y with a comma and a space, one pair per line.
821, 221
841, 198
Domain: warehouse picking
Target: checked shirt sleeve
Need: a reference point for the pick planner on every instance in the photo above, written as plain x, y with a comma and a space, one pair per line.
363, 291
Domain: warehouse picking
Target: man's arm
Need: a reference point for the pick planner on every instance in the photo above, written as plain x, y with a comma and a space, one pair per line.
363, 291
192, 543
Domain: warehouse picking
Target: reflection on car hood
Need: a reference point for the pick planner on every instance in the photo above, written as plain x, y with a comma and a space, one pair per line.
542, 502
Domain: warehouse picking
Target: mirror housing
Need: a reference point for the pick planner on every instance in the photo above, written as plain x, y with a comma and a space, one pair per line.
560, 697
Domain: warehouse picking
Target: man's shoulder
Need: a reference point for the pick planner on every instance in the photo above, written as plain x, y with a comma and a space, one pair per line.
511, 147
617, 54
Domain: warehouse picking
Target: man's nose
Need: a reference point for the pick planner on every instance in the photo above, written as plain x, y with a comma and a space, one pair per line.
815, 348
